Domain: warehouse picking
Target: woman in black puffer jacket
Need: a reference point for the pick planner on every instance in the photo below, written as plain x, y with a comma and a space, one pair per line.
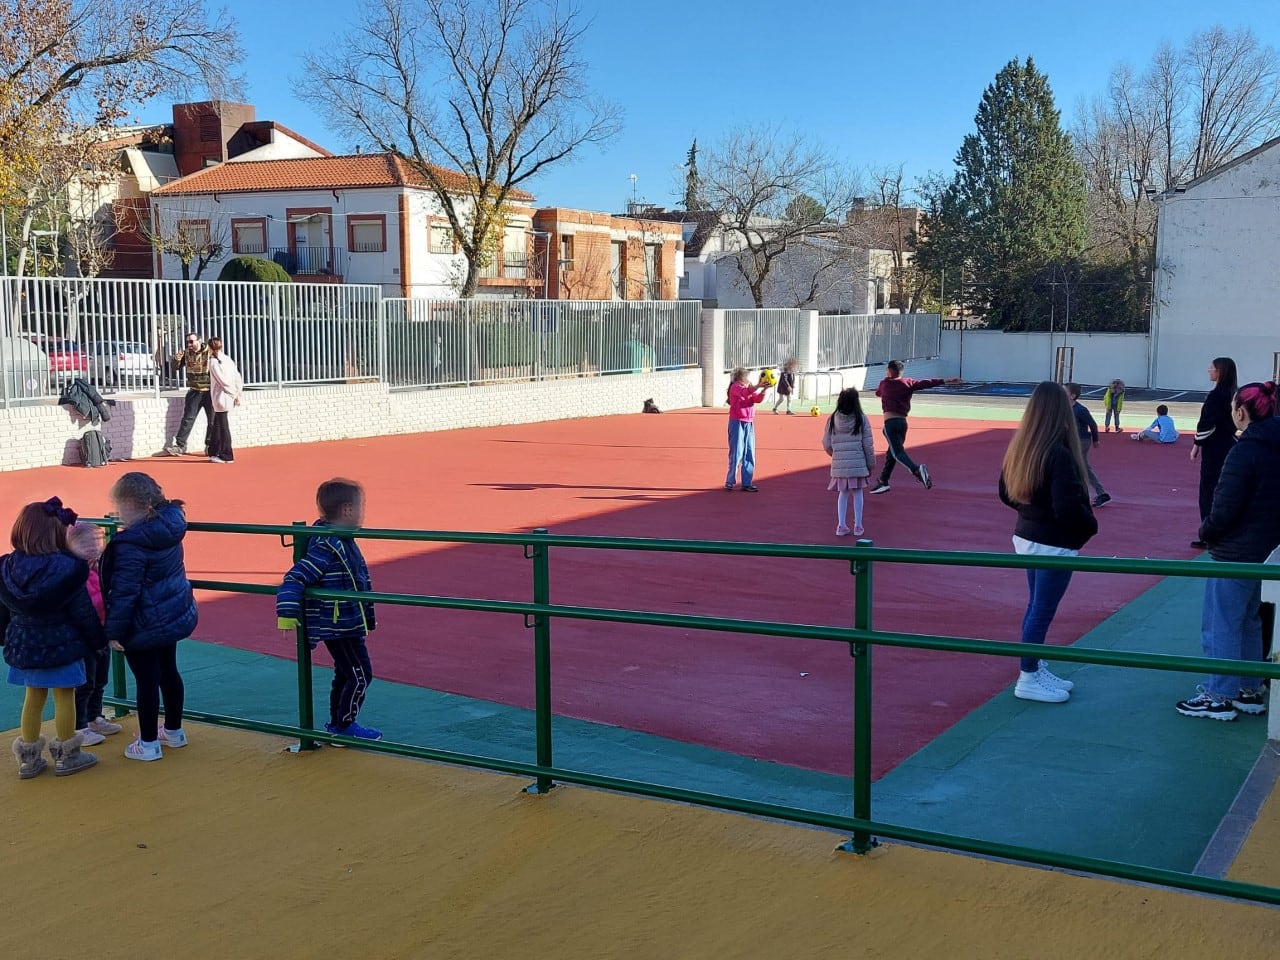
150, 606
1243, 526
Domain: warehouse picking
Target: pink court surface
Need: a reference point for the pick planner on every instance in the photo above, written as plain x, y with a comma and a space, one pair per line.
788, 701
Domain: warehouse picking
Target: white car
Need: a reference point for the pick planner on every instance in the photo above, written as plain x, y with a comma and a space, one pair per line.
122, 363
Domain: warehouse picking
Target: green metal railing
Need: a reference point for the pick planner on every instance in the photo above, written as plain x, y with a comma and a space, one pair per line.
861, 638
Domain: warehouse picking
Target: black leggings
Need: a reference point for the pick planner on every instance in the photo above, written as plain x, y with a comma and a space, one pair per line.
1211, 461
155, 673
895, 433
97, 667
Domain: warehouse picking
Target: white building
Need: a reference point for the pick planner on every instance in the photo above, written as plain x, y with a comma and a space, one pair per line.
1217, 273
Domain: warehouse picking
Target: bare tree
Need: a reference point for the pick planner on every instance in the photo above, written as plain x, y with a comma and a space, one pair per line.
188, 231
888, 222
495, 89
773, 192
1235, 95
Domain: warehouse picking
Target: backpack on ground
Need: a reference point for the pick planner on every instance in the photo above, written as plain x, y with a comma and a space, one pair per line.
95, 449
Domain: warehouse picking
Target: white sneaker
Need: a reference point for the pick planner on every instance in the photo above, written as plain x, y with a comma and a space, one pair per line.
141, 750
1053, 678
90, 737
173, 738
1035, 686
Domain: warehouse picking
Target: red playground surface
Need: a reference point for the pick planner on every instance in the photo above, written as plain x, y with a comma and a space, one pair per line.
788, 701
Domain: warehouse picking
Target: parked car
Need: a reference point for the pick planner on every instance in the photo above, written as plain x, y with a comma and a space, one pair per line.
24, 368
66, 360
122, 363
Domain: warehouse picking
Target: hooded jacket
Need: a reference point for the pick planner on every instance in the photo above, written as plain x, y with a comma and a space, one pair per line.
45, 612
330, 563
1244, 523
149, 600
852, 454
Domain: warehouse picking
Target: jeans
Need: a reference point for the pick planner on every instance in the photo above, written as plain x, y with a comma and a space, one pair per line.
1085, 446
219, 440
742, 449
352, 674
1047, 589
1110, 412
97, 666
895, 433
196, 400
1230, 629
155, 672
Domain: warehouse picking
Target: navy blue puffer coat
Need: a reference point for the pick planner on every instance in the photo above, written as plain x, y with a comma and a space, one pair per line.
144, 583
45, 611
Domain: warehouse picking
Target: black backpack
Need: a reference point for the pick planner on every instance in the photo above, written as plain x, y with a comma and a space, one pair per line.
95, 449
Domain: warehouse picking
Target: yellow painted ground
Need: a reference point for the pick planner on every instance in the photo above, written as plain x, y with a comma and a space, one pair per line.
232, 850
1259, 859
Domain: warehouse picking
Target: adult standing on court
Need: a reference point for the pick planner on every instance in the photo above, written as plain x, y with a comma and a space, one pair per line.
1243, 527
895, 392
1043, 478
1215, 434
225, 387
195, 360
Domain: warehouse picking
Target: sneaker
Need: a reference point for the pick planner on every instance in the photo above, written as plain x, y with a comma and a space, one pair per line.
880, 487
728, 486
1135, 436
858, 531
1203, 705
1037, 687
790, 413
173, 738
141, 750
90, 737
1252, 702
104, 726
1199, 544
1053, 678
842, 531
750, 488
923, 477
174, 450
354, 729
1101, 500
216, 460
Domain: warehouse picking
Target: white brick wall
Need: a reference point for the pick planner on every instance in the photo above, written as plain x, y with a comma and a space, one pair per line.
48, 435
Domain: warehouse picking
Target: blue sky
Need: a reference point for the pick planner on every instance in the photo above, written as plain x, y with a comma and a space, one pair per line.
878, 83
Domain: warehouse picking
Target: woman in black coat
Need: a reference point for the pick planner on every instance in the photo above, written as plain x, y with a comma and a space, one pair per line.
1215, 433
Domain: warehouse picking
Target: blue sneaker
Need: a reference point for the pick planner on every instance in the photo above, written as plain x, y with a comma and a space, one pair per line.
354, 729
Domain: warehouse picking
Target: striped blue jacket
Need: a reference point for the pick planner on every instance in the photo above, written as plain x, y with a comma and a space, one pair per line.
330, 563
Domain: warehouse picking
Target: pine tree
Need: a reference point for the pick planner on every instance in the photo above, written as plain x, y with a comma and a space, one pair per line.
1016, 206
692, 188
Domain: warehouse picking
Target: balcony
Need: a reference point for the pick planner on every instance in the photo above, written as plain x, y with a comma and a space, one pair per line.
324, 264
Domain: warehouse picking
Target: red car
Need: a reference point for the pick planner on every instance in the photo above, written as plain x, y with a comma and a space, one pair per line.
66, 360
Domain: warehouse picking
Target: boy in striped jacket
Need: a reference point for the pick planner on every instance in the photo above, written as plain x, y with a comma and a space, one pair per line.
334, 562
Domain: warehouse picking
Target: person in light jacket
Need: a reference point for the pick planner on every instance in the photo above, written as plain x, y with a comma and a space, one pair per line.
848, 441
225, 385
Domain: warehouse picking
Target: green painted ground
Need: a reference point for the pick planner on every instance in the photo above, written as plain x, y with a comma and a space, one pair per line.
1116, 773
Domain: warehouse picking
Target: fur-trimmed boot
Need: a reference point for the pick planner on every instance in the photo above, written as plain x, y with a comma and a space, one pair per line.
31, 761
68, 758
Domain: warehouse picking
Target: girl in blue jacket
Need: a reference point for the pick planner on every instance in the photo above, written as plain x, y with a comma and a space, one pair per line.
49, 625
150, 606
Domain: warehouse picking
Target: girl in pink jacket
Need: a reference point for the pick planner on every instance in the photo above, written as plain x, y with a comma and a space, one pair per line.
743, 397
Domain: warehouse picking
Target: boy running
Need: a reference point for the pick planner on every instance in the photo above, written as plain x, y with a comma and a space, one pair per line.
1087, 429
895, 392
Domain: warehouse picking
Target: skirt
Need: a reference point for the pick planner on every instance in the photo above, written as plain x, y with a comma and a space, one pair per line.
849, 483
50, 678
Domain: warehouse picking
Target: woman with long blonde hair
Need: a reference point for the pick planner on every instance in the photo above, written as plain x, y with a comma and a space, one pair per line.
1043, 478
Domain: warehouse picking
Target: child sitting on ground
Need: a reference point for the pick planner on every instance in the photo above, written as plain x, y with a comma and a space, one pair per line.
1161, 430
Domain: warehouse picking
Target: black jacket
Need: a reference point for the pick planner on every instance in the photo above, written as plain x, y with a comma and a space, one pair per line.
47, 617
1059, 514
1086, 426
1244, 524
144, 583
87, 402
1215, 429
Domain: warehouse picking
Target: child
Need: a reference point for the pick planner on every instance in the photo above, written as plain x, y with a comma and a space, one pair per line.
786, 386
895, 392
1161, 430
848, 441
85, 540
335, 563
1087, 428
1113, 403
49, 627
150, 606
743, 398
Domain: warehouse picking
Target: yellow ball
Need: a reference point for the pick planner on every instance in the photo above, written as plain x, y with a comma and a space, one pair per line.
815, 411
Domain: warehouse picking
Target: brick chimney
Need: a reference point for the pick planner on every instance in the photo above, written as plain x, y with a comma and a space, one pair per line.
201, 132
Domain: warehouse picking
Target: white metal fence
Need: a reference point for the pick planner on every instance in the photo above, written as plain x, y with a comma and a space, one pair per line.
760, 338
848, 340
122, 335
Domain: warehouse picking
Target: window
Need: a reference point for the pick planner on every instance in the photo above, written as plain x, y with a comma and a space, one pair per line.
515, 253
566, 253
194, 233
442, 238
367, 234
249, 235
618, 268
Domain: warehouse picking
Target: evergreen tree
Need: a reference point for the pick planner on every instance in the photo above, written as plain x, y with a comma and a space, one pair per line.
692, 188
1015, 207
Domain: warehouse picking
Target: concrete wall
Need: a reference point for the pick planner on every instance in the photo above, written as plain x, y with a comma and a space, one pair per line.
1216, 282
989, 355
47, 435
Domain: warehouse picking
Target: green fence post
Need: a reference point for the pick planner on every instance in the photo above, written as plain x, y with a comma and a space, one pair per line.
862, 841
306, 704
119, 678
542, 660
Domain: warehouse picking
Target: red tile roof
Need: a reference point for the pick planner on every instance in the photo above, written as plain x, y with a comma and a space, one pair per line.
309, 173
